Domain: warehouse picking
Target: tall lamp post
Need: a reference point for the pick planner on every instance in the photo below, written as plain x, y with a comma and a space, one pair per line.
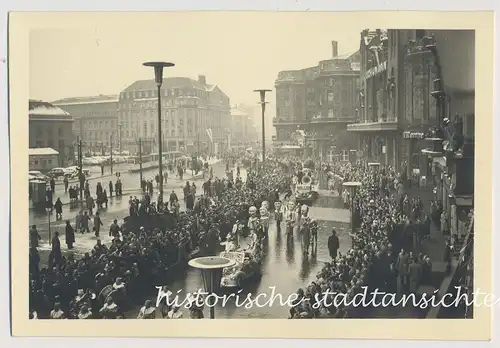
49, 213
352, 187
263, 103
211, 272
158, 66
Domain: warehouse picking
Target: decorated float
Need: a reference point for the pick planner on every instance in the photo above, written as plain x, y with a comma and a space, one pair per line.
243, 246
306, 192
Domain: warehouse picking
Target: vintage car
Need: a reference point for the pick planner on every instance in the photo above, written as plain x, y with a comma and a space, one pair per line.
307, 191
245, 269
306, 198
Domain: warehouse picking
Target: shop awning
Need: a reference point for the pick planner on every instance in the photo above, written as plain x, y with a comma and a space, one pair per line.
464, 201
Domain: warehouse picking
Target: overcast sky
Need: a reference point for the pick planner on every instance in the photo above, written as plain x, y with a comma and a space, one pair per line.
238, 51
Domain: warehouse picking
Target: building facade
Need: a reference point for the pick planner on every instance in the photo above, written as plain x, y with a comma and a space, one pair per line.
51, 127
95, 121
195, 115
243, 130
396, 105
321, 101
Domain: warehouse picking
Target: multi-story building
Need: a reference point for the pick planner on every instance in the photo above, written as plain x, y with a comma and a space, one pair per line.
195, 115
243, 130
381, 95
51, 127
397, 106
321, 101
95, 121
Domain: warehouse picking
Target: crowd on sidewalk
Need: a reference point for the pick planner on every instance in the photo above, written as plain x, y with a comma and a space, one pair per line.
385, 254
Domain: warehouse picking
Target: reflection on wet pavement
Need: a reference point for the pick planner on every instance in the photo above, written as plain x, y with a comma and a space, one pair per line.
284, 268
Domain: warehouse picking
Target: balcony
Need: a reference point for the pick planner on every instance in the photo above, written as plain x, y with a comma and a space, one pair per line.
322, 119
383, 124
287, 122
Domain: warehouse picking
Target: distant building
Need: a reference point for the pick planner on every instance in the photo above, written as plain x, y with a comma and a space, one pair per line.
243, 130
51, 127
321, 101
95, 121
195, 115
43, 159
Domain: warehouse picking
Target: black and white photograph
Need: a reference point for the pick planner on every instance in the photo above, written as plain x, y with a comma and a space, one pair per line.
185, 169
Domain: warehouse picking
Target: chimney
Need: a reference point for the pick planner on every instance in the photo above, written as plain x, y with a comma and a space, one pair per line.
335, 51
202, 79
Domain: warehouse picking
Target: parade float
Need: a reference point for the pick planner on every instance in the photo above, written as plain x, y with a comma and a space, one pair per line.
243, 246
306, 192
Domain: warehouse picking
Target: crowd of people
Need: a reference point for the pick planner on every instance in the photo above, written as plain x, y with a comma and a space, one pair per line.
156, 238
146, 249
385, 220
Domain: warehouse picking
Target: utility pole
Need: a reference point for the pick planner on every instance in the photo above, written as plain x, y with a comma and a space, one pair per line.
263, 103
119, 138
140, 161
111, 152
80, 164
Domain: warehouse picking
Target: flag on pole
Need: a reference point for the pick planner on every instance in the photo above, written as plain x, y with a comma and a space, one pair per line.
209, 132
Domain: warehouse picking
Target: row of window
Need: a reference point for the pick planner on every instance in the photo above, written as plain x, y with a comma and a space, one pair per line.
170, 92
98, 114
153, 104
283, 114
93, 124
50, 131
101, 136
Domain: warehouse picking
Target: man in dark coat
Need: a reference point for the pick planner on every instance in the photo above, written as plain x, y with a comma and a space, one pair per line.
333, 244
402, 264
56, 254
70, 235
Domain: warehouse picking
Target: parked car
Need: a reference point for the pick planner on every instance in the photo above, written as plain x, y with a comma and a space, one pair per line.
89, 161
35, 174
72, 172
56, 173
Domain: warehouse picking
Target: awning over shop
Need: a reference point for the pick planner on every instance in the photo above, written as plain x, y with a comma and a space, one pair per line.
464, 201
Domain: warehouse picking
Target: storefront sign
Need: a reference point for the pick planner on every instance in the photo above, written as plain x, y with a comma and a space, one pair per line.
376, 70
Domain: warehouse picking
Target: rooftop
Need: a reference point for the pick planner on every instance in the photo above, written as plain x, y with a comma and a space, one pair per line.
42, 151
311, 73
238, 112
169, 82
87, 100
41, 108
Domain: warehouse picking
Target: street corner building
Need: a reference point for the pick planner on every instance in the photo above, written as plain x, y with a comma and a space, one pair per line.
50, 127
319, 102
196, 115
404, 93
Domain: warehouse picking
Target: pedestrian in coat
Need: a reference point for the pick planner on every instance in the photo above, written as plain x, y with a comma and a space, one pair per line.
56, 254
34, 237
97, 224
70, 235
333, 244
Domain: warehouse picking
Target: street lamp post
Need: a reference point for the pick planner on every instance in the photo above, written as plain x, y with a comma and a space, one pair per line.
352, 187
158, 67
263, 103
211, 272
49, 213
